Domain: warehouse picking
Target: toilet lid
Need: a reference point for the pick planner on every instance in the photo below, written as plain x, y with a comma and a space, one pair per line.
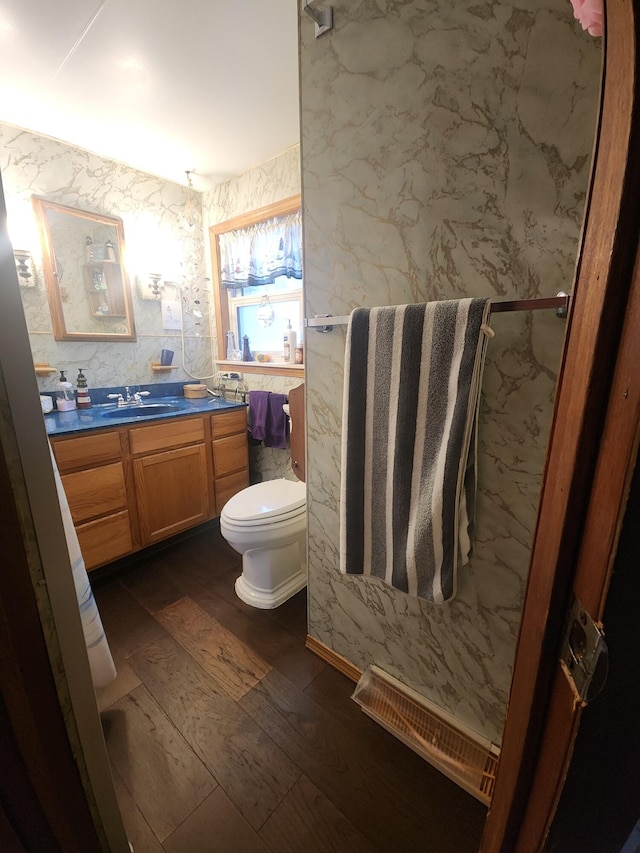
266, 500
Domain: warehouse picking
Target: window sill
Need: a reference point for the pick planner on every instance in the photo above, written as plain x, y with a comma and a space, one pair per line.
274, 368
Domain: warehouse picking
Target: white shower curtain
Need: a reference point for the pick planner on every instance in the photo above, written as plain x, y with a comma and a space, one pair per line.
100, 661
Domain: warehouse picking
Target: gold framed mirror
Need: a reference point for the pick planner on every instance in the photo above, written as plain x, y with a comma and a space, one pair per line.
85, 276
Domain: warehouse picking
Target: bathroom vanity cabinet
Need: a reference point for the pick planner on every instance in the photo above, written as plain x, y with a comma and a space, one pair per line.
134, 486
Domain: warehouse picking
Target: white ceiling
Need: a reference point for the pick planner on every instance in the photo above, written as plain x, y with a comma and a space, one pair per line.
164, 86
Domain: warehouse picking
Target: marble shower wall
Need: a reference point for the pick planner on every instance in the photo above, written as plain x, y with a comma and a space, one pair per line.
445, 153
155, 240
267, 183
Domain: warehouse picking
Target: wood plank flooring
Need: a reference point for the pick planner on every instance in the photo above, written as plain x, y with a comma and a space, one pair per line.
226, 735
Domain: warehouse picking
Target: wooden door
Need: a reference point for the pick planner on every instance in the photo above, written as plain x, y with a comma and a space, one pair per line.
55, 781
591, 454
600, 802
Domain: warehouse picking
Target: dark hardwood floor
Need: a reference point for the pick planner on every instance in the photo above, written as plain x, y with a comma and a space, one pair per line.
226, 735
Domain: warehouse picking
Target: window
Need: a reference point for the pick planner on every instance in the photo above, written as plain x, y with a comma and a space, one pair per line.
258, 287
280, 302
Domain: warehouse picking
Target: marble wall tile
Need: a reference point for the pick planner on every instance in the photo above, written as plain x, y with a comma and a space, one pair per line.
269, 182
155, 240
445, 153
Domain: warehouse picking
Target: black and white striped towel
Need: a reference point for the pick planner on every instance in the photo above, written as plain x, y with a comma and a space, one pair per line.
412, 382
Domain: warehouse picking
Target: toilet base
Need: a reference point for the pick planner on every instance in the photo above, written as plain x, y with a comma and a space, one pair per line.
272, 575
268, 599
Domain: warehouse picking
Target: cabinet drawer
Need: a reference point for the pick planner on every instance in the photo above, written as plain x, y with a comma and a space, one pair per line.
165, 436
97, 491
230, 454
227, 487
89, 450
105, 539
227, 423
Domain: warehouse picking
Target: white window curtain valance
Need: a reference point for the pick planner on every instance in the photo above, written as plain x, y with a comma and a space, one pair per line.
259, 254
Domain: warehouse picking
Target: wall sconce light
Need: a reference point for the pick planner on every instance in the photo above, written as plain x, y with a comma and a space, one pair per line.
25, 268
155, 285
150, 286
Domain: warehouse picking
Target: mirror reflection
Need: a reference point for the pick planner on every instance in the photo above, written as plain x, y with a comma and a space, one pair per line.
86, 281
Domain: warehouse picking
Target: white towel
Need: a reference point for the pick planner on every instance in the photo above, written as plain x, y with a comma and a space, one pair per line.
411, 393
100, 660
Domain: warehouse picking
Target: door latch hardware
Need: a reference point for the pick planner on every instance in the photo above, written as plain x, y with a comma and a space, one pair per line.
585, 653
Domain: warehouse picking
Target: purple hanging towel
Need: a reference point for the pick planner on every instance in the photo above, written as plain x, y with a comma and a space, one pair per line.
258, 409
277, 427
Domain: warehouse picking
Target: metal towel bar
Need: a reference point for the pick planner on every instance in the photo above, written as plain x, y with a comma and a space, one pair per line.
559, 302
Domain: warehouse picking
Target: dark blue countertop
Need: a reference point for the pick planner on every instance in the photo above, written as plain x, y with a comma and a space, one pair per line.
108, 415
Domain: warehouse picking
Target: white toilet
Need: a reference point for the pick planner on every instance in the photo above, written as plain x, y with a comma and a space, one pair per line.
267, 524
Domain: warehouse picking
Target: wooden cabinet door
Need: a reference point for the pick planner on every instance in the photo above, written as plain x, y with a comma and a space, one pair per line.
172, 491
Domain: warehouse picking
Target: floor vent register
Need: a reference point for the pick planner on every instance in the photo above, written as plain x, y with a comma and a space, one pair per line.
458, 752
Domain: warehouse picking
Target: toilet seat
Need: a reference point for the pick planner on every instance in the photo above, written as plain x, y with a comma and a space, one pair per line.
266, 503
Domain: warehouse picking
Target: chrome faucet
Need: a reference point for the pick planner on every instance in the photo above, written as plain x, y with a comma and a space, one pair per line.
130, 398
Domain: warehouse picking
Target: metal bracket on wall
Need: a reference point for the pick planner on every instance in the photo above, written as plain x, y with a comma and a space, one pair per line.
323, 19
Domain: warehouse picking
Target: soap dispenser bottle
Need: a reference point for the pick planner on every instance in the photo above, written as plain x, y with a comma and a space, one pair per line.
290, 338
65, 398
84, 400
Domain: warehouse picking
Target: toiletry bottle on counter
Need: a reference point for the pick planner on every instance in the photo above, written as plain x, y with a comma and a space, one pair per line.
65, 398
300, 354
290, 338
84, 400
246, 349
231, 345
